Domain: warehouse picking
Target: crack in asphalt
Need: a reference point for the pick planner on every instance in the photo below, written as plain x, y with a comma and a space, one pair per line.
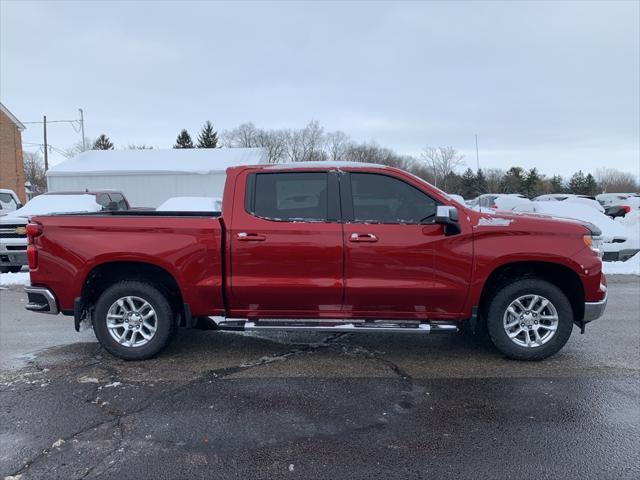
408, 390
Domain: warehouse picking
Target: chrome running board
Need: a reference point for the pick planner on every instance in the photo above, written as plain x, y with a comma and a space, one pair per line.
337, 326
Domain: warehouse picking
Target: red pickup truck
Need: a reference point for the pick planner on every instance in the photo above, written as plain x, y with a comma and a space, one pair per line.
325, 247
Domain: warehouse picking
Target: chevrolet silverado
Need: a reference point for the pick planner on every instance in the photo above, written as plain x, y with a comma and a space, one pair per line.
321, 246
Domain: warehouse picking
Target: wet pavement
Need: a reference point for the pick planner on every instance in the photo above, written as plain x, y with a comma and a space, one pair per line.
227, 405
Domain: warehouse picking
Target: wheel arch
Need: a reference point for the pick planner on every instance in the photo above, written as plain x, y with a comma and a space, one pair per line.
563, 277
105, 274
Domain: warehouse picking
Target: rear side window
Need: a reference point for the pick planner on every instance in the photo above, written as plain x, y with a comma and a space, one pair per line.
289, 196
103, 200
384, 199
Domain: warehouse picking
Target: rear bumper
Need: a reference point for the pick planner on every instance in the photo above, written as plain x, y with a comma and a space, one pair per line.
594, 310
41, 300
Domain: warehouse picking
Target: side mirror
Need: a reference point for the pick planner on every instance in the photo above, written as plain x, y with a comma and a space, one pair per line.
19, 205
448, 216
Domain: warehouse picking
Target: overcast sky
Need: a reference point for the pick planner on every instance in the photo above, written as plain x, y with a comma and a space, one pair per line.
545, 84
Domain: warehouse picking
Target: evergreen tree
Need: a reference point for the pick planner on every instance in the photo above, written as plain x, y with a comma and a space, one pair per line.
103, 143
208, 137
577, 183
184, 140
481, 183
531, 183
468, 184
512, 181
590, 185
556, 184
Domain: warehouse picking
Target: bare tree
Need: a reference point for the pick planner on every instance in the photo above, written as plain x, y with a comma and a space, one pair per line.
78, 148
494, 178
248, 136
615, 181
443, 162
336, 144
34, 172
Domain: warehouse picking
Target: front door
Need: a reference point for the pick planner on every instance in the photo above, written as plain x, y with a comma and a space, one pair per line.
286, 246
389, 248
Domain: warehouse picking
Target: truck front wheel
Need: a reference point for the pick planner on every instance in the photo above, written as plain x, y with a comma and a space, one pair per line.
529, 319
133, 320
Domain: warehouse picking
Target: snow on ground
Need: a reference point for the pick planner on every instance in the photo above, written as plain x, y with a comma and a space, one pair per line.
630, 267
20, 278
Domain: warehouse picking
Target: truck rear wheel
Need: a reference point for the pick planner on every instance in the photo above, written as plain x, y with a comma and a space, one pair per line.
529, 319
133, 320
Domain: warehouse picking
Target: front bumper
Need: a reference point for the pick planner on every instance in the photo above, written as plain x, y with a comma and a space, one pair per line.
13, 258
41, 300
594, 310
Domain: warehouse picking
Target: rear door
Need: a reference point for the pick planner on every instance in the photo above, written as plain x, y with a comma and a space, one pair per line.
286, 245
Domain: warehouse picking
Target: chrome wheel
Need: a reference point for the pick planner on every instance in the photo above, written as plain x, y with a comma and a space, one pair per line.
132, 321
530, 321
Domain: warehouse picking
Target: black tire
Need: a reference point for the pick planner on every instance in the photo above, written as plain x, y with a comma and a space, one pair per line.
164, 320
512, 291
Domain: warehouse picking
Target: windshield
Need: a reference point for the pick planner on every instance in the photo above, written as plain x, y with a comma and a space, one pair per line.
7, 202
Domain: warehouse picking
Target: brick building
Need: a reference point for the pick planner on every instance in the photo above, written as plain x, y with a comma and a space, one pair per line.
11, 169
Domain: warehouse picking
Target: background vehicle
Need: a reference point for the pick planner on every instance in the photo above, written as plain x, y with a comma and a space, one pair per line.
9, 201
619, 204
191, 204
488, 200
359, 247
13, 237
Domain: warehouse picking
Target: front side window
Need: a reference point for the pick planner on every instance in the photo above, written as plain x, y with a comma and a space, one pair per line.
290, 196
384, 199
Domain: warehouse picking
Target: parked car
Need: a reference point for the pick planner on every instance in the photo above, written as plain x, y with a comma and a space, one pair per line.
9, 201
338, 247
619, 204
488, 200
568, 197
191, 204
13, 237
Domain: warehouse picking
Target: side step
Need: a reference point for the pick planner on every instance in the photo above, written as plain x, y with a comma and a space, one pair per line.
337, 326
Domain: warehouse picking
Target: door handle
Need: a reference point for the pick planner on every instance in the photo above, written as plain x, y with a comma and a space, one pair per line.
363, 237
250, 237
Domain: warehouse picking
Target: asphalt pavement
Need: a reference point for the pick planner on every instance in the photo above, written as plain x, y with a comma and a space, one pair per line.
231, 405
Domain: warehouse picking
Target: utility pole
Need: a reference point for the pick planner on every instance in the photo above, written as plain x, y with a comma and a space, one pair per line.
46, 147
477, 156
84, 143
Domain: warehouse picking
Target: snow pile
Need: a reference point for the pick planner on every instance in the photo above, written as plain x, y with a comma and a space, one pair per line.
191, 204
20, 278
586, 201
510, 202
630, 267
46, 204
574, 211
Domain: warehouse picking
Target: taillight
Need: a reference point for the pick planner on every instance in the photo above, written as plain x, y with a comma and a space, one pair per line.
33, 230
627, 208
32, 257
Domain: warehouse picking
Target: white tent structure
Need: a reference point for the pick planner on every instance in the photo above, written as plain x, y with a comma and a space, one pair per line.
149, 177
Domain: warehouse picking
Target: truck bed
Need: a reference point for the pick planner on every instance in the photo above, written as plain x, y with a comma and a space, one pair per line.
187, 245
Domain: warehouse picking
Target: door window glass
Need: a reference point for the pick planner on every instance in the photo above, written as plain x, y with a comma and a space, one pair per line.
384, 199
290, 196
